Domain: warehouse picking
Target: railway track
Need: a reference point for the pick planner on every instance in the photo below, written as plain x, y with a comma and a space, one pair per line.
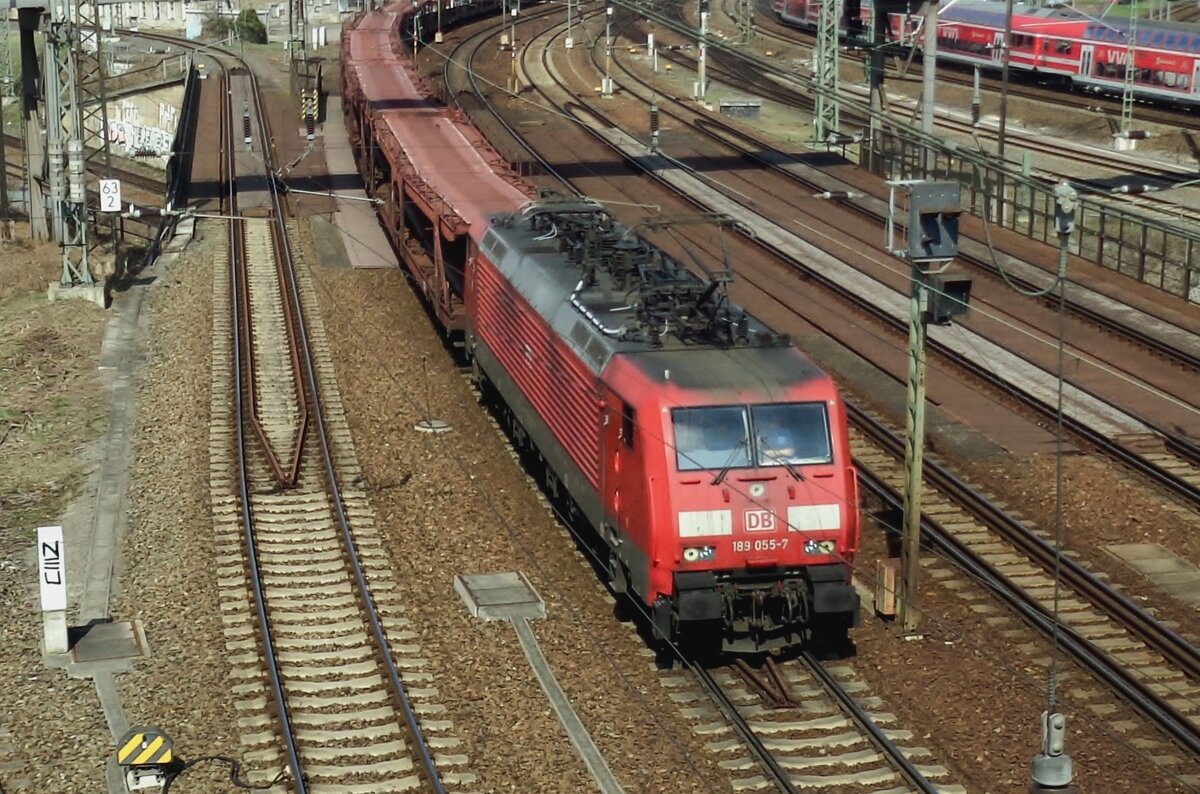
826, 727
1173, 464
149, 184
1149, 665
335, 693
1134, 670
802, 725
1019, 85
1101, 621
1120, 171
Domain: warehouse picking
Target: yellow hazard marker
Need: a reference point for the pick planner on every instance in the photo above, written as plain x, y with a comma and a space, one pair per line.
145, 753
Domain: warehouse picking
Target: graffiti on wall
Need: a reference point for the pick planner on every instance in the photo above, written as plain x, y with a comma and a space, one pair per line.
132, 136
138, 140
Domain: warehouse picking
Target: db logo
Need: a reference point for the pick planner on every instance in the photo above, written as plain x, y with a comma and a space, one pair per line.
760, 521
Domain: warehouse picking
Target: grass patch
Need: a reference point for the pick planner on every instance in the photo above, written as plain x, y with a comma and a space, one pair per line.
51, 401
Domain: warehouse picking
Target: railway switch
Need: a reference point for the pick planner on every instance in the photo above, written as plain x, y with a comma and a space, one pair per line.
147, 756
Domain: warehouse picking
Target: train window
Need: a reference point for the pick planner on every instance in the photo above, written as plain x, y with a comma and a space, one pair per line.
1063, 47
710, 438
628, 422
791, 433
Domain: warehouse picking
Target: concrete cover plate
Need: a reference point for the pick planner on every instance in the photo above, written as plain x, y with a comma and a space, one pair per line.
123, 639
499, 596
1161, 566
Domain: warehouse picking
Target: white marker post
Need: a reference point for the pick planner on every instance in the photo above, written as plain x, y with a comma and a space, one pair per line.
110, 195
52, 580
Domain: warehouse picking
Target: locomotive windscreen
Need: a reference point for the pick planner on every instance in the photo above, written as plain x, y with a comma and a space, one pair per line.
719, 437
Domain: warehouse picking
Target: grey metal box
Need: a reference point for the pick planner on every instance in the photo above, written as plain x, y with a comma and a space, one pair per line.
933, 210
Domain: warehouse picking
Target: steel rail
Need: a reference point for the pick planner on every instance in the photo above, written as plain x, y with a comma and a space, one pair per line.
1119, 679
1167, 642
285, 475
863, 720
1173, 647
1138, 694
293, 307
481, 95
754, 151
240, 395
888, 748
742, 726
383, 646
1158, 474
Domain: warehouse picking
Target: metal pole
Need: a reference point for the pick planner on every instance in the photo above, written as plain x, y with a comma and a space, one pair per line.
914, 450
827, 116
1130, 70
1005, 60
1053, 770
570, 42
437, 37
875, 73
703, 61
35, 134
606, 88
929, 79
976, 99
512, 77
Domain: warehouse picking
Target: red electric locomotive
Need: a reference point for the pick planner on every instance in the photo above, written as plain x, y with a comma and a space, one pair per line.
710, 455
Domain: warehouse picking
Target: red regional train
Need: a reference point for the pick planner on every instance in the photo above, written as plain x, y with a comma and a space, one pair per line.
1058, 43
709, 456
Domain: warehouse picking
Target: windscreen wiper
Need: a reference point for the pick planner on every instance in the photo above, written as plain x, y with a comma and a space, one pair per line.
728, 463
787, 464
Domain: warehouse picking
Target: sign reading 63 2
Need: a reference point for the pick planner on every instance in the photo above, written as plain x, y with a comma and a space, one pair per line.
110, 195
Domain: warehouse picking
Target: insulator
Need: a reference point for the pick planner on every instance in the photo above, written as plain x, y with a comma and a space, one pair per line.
838, 139
55, 157
1134, 135
654, 118
75, 167
975, 114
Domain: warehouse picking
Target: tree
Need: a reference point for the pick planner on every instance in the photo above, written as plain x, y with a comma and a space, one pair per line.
216, 26
250, 27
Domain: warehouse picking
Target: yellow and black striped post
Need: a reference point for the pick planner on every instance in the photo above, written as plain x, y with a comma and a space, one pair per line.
145, 747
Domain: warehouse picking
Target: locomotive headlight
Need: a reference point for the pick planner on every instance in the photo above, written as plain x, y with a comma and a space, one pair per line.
699, 553
757, 490
820, 546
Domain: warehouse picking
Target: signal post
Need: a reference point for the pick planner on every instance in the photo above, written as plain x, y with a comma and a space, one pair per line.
929, 242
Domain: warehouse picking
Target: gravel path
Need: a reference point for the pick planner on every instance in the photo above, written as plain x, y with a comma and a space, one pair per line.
171, 578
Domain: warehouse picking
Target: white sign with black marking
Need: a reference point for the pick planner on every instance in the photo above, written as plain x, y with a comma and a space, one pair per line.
52, 570
110, 195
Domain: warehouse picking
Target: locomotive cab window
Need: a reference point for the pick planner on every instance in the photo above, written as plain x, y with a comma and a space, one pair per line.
791, 434
628, 421
785, 434
711, 438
